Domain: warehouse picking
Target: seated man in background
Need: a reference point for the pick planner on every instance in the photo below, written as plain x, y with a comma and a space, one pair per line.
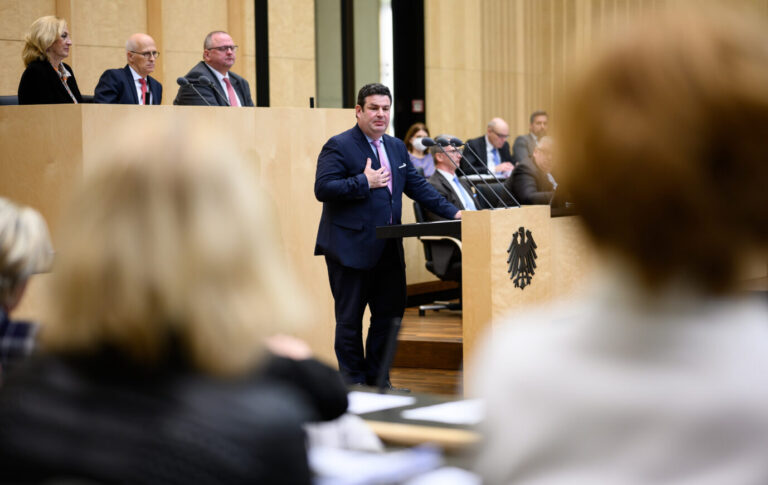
493, 150
532, 182
132, 84
446, 181
211, 82
25, 249
524, 144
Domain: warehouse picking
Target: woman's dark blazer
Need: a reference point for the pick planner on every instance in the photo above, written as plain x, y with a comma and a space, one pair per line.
40, 84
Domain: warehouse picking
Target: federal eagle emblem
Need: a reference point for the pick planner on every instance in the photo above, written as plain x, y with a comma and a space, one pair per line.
522, 258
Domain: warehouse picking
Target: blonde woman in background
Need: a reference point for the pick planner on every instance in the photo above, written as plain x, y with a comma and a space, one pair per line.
47, 79
168, 284
659, 376
25, 249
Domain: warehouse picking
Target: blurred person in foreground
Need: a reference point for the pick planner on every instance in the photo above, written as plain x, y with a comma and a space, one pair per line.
659, 377
154, 368
420, 157
47, 79
25, 249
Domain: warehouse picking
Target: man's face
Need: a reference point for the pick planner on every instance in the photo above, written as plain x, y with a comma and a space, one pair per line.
446, 163
143, 59
498, 134
539, 126
542, 155
373, 117
221, 54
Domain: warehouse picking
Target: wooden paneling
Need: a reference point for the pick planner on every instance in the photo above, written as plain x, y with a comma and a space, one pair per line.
507, 58
46, 149
291, 53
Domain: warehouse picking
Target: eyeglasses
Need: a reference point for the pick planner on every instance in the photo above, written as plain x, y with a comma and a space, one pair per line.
500, 135
223, 48
147, 55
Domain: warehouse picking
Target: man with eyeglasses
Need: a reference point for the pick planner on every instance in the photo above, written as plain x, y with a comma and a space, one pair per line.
524, 144
445, 179
211, 83
132, 84
493, 150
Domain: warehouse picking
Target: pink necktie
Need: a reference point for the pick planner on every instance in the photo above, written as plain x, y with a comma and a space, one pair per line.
233, 101
143, 83
384, 162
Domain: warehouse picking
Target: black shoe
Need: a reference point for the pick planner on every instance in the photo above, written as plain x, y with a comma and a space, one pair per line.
388, 387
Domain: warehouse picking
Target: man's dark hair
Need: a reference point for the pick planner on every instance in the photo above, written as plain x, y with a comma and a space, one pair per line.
370, 90
538, 113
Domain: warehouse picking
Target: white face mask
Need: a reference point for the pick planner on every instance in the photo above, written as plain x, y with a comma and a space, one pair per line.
418, 145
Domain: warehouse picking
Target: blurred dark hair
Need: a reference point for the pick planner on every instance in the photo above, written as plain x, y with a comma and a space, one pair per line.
371, 90
666, 140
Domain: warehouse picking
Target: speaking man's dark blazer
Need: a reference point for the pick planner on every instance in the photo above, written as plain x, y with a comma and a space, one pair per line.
116, 86
523, 148
481, 165
351, 210
214, 95
529, 184
40, 84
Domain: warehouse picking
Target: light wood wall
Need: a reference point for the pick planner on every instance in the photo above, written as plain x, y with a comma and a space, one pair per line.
100, 28
508, 58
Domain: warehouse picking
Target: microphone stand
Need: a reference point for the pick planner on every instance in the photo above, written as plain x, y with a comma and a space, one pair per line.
182, 81
456, 142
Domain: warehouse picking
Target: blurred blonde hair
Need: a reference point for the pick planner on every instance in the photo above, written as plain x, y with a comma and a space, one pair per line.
25, 247
170, 243
41, 35
665, 137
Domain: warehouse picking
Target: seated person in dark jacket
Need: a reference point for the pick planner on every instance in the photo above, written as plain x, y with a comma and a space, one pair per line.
25, 249
132, 84
445, 179
211, 81
47, 79
532, 181
524, 144
492, 150
153, 366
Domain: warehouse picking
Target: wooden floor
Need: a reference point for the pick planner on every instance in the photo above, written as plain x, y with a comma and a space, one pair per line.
429, 353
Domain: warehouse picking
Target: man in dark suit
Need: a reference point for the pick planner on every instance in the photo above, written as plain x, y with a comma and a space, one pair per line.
445, 179
524, 144
493, 150
211, 83
361, 177
532, 182
132, 84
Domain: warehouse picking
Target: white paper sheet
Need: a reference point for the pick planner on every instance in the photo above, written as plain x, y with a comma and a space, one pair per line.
467, 412
368, 402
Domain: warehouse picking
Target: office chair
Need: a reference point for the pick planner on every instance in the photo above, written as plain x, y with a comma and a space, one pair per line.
443, 259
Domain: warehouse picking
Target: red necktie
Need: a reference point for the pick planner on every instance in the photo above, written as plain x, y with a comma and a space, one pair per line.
143, 83
233, 101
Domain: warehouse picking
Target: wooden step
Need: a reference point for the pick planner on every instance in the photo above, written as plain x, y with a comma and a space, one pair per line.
430, 342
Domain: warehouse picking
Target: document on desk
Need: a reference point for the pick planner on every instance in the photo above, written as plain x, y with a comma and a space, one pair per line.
468, 412
368, 402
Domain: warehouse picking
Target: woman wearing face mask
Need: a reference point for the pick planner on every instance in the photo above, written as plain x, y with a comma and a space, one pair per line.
420, 158
47, 80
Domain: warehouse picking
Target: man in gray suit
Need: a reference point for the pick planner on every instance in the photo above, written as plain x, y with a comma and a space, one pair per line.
524, 144
445, 179
211, 83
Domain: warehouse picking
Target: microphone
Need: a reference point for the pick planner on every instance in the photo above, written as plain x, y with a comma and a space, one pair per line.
206, 81
457, 143
442, 142
182, 81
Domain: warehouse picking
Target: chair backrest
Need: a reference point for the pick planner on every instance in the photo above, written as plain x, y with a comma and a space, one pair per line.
418, 212
9, 100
